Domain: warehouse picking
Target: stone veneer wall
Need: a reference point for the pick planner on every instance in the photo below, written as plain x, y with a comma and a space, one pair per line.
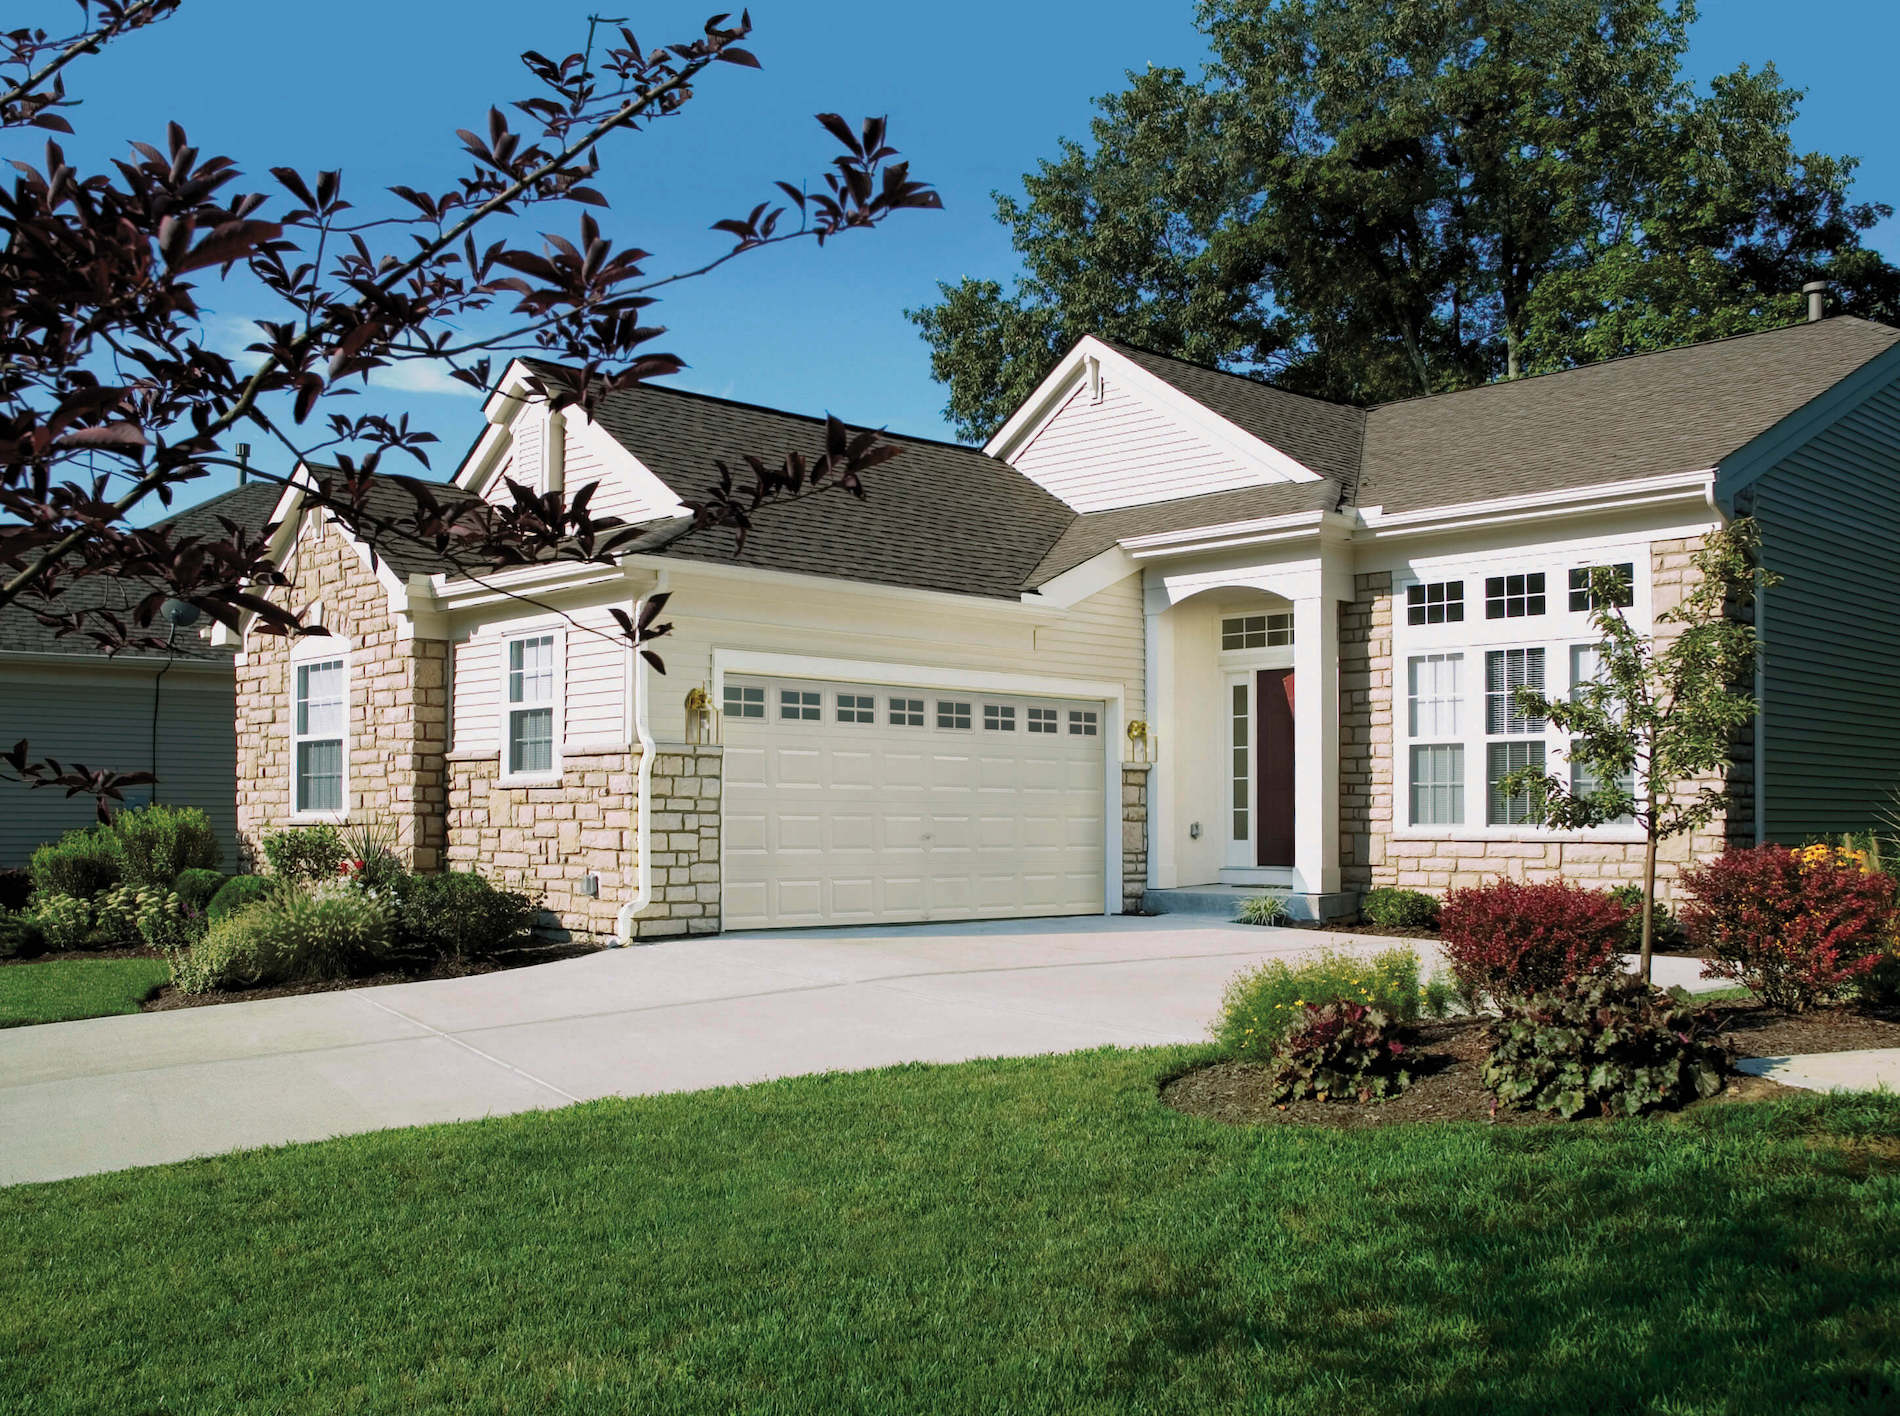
1368, 854
1365, 730
1134, 835
398, 710
548, 839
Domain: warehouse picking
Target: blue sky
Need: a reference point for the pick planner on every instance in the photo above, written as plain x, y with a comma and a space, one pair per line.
976, 92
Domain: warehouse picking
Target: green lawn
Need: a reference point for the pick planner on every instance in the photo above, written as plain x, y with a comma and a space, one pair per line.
1026, 1236
59, 990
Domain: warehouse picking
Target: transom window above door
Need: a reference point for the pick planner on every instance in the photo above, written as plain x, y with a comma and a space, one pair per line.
1256, 631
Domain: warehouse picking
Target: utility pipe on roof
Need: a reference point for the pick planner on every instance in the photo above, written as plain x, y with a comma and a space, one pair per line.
643, 797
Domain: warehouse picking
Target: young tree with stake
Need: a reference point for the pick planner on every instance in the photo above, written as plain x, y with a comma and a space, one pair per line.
1662, 711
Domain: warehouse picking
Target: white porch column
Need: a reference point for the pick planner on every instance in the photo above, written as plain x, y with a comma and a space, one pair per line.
1164, 871
1316, 744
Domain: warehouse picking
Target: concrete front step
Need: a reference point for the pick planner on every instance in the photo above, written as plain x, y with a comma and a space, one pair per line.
1224, 902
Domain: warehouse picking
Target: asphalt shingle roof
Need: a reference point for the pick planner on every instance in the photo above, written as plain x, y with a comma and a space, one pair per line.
945, 517
22, 633
1094, 532
1680, 410
938, 517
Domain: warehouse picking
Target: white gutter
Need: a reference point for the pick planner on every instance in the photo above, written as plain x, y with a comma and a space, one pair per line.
643, 799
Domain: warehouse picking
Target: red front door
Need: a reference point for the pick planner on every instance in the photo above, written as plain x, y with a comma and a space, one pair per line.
1273, 776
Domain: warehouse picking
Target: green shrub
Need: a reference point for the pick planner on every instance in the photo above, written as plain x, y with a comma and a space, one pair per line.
21, 936
16, 888
1340, 1051
65, 920
459, 915
1609, 1045
80, 863
198, 886
306, 852
326, 931
1264, 909
1392, 908
158, 843
1666, 933
1263, 1003
236, 893
115, 917
167, 923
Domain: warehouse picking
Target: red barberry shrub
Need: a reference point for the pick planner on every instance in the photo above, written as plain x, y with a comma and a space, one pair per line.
1797, 927
1509, 940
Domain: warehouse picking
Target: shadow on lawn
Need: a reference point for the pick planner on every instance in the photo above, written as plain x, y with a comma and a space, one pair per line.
1726, 1264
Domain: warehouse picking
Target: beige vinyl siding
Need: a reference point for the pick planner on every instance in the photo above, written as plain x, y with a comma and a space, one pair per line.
1123, 452
594, 675
596, 680
1098, 640
101, 715
475, 698
1830, 517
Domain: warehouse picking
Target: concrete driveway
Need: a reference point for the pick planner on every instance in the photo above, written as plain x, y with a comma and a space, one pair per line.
147, 1088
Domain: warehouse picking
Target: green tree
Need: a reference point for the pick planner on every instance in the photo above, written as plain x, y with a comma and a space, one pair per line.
1372, 199
1658, 719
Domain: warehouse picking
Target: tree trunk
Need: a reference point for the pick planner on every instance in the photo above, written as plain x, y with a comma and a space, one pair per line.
1649, 898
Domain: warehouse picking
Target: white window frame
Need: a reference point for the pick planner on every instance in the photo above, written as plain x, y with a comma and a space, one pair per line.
305, 652
1558, 631
1413, 736
515, 634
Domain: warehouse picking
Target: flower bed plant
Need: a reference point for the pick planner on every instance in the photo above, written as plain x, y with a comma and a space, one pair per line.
1392, 908
1340, 1051
1609, 1045
1264, 1003
1509, 940
1797, 927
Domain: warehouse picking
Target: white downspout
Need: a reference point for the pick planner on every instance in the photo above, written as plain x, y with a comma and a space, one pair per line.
643, 799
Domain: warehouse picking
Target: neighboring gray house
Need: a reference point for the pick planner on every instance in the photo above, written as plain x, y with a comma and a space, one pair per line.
72, 701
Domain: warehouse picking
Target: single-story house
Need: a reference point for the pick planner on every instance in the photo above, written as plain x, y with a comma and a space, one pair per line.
137, 711
1171, 627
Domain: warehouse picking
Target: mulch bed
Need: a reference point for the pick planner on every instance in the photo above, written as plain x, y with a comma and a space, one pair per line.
1448, 1064
1751, 1030
51, 955
412, 970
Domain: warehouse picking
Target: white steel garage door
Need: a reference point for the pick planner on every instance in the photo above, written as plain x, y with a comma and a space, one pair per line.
854, 804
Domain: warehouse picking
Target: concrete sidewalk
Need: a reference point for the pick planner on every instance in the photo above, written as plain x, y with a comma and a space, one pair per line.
108, 1093
1873, 1069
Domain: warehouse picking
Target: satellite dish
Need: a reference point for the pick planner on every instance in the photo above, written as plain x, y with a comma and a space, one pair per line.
181, 614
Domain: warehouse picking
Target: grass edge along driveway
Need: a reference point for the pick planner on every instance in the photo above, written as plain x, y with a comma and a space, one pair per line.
63, 990
1035, 1235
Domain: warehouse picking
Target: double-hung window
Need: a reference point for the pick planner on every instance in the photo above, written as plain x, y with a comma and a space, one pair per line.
319, 732
1586, 664
1434, 722
1514, 739
529, 727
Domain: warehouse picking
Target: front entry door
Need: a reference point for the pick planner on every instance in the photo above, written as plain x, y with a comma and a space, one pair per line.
1273, 774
